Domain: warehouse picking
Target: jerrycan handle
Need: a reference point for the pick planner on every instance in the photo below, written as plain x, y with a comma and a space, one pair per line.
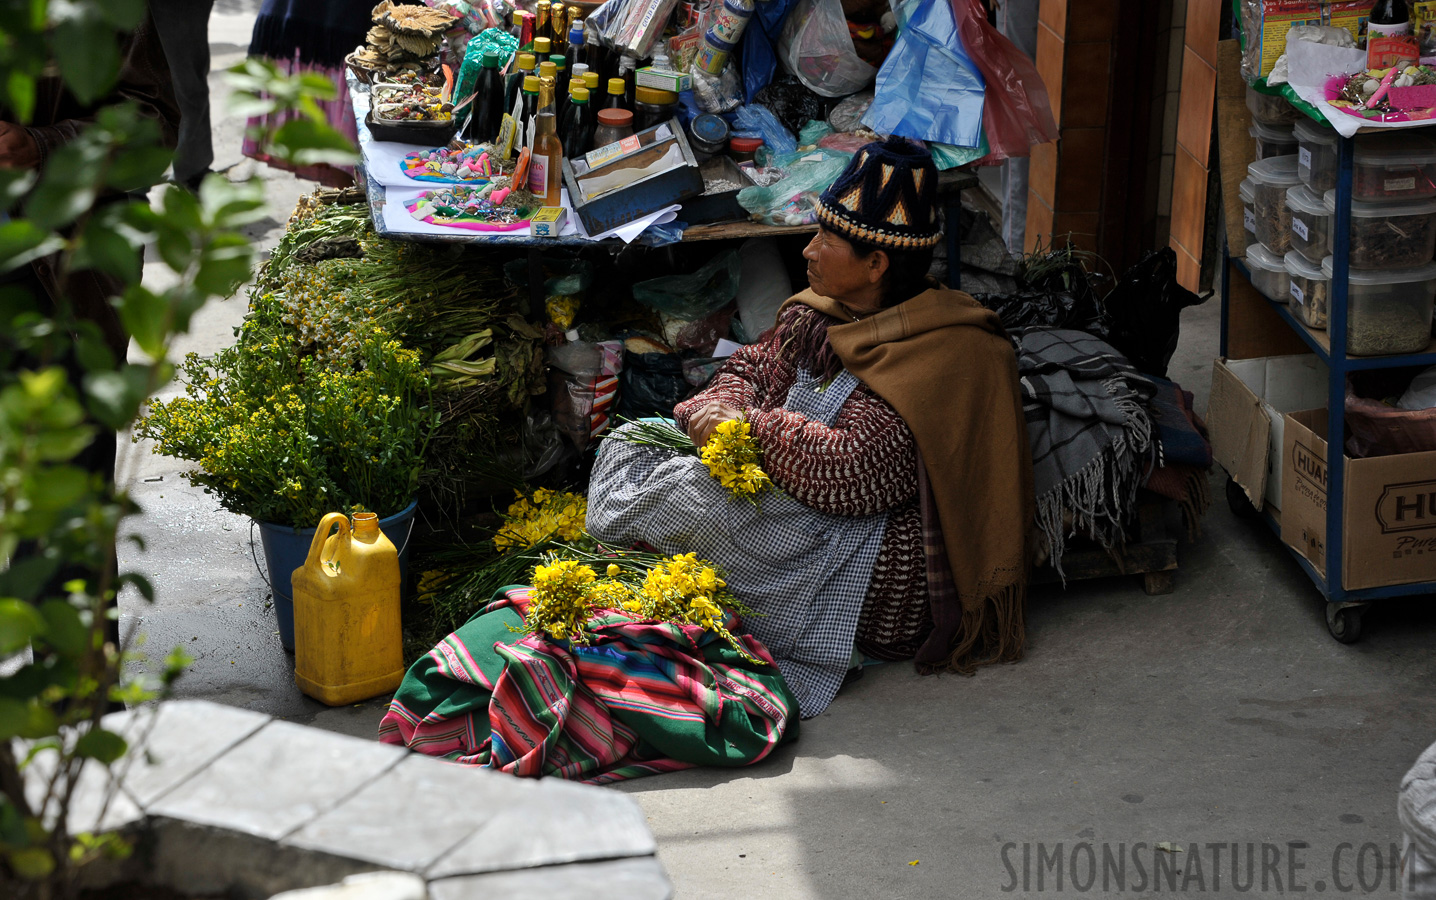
321, 534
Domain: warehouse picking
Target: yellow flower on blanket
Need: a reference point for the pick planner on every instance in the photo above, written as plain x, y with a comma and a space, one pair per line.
546, 515
679, 590
734, 458
561, 602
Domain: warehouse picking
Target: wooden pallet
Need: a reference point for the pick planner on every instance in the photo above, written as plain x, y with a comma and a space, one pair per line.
1150, 551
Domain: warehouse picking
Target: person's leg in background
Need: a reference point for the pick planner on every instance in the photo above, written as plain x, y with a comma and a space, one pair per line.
183, 27
1017, 20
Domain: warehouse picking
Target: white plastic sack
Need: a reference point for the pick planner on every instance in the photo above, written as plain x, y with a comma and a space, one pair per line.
817, 47
1422, 392
762, 287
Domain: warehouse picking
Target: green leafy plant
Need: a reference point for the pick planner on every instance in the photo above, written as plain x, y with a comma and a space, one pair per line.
62, 388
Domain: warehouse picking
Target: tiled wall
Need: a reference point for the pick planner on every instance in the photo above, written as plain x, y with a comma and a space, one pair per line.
1074, 57
1194, 138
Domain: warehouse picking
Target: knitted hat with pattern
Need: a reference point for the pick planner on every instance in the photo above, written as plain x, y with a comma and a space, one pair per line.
886, 196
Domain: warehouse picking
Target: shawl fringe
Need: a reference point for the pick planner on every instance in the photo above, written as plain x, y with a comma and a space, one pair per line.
994, 631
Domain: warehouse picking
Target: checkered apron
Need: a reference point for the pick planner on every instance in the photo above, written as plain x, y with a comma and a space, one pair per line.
804, 572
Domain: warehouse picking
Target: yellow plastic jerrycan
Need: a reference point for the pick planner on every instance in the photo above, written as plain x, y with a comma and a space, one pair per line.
347, 640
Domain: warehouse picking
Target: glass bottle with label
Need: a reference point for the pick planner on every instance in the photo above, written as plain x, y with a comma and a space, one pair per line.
1389, 38
576, 126
613, 125
546, 159
541, 21
529, 111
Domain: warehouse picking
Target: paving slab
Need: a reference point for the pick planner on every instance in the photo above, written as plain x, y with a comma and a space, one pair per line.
172, 741
561, 822
414, 814
278, 780
622, 879
369, 886
96, 804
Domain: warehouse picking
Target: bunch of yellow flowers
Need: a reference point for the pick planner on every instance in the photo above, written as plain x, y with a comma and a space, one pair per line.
561, 602
733, 456
546, 515
680, 590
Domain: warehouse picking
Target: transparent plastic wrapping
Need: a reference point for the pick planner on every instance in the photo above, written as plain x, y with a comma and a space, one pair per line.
817, 47
1271, 109
1272, 140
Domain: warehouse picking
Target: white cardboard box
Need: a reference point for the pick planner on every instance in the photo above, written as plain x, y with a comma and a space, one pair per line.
1245, 416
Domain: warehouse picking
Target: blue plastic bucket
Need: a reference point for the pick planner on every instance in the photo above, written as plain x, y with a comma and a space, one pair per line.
285, 550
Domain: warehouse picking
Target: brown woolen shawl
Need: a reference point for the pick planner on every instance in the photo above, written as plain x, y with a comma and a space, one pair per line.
944, 363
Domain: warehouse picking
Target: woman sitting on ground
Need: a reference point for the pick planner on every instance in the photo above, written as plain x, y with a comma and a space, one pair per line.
890, 419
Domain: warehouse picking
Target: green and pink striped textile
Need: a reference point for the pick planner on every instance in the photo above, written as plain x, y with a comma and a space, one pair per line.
644, 697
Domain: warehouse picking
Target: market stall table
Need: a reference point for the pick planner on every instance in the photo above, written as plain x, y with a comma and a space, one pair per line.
951, 184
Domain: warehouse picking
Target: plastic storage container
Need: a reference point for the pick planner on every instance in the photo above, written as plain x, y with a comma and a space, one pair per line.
1399, 167
1310, 223
1316, 154
1309, 290
1272, 140
1271, 178
743, 149
653, 106
1247, 190
1268, 271
1269, 109
1388, 310
1390, 235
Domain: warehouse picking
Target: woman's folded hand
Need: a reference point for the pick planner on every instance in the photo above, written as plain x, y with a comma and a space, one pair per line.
708, 417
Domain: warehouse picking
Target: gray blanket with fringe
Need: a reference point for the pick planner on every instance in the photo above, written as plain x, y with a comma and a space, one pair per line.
1092, 437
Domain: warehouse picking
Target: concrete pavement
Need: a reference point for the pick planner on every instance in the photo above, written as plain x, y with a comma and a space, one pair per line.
1222, 713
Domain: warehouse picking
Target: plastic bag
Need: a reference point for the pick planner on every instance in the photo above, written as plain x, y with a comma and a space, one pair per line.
1144, 312
813, 132
762, 287
700, 334
929, 88
695, 295
1017, 113
792, 201
817, 47
718, 94
1380, 430
651, 385
493, 39
791, 101
762, 121
848, 115
1421, 394
583, 388
848, 142
1064, 296
564, 285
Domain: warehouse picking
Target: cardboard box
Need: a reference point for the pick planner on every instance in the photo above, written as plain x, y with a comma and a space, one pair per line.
648, 194
1245, 416
1389, 523
549, 221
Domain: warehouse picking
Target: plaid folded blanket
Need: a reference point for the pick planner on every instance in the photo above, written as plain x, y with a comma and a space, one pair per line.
644, 698
1091, 434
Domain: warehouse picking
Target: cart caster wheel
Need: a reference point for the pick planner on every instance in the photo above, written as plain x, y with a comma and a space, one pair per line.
1344, 622
1240, 504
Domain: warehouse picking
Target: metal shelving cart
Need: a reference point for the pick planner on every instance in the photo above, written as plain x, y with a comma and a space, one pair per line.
1344, 607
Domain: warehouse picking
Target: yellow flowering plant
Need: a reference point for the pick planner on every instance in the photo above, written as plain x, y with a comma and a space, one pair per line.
542, 516
285, 439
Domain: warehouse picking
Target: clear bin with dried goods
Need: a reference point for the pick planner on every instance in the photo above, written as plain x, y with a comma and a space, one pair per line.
1388, 310
1309, 289
1395, 167
1310, 223
1272, 140
1271, 178
1316, 154
1268, 272
1271, 109
1390, 235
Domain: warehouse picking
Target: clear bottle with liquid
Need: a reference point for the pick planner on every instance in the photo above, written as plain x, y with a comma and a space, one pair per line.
546, 155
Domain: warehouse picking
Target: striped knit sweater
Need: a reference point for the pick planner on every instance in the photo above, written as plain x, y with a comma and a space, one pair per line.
865, 464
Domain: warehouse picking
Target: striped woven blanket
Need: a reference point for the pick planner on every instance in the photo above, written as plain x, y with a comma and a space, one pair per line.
643, 698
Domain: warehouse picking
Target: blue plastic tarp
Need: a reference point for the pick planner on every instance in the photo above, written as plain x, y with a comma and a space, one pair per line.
928, 88
760, 41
